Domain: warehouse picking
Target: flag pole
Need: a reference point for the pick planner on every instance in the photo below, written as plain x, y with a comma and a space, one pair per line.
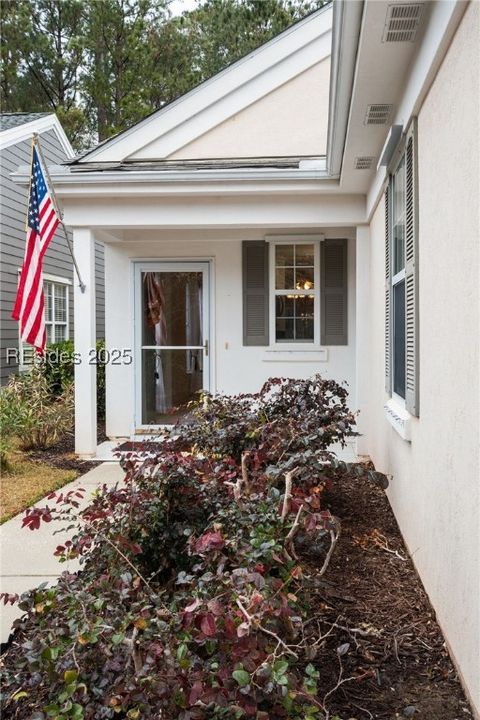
36, 141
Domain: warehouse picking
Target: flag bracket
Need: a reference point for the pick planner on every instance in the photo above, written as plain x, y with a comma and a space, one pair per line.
36, 141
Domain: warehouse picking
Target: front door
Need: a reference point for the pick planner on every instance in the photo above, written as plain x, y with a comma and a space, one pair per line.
172, 339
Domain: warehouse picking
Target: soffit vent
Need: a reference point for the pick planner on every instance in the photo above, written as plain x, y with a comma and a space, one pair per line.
363, 163
402, 22
378, 114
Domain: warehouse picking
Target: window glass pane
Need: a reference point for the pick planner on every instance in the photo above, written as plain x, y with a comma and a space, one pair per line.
304, 255
284, 255
48, 291
304, 306
49, 332
60, 333
304, 329
399, 192
398, 247
284, 306
399, 218
284, 278
284, 329
294, 318
399, 338
60, 304
304, 278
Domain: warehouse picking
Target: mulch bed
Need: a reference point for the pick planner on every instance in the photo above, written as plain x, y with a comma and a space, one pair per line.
371, 605
62, 454
396, 648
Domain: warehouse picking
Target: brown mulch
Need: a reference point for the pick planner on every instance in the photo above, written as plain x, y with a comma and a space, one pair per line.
396, 663
62, 454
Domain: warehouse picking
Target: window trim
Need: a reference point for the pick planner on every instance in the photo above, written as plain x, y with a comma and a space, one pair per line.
274, 241
398, 156
53, 322
407, 150
58, 280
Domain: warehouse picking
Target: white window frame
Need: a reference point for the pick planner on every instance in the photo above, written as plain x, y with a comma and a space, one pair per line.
56, 280
24, 365
274, 241
400, 275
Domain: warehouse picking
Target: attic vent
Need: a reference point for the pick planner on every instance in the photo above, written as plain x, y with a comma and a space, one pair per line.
377, 114
402, 22
363, 163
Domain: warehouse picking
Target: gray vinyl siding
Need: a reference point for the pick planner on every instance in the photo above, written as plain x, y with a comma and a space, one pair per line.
57, 259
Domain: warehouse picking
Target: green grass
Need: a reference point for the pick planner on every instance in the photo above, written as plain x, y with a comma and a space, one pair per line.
27, 482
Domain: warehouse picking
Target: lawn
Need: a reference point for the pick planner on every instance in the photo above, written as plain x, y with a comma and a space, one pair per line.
30, 479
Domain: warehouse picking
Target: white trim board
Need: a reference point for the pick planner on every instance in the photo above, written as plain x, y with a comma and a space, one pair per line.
25, 132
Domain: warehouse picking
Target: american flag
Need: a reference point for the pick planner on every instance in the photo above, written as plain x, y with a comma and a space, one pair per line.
42, 222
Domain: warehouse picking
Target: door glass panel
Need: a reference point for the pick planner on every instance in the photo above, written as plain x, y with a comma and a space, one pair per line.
171, 378
172, 308
172, 304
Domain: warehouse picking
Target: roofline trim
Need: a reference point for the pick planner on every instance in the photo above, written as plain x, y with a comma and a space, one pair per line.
24, 132
347, 23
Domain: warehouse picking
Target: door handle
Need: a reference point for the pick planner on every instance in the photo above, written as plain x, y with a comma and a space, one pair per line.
206, 348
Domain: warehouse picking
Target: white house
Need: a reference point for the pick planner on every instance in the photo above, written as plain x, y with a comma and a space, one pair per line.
312, 208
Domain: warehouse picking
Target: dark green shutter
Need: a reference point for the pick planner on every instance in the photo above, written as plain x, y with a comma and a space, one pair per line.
411, 273
255, 292
333, 292
388, 295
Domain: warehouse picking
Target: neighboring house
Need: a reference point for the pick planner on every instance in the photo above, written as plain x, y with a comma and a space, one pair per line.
312, 208
16, 131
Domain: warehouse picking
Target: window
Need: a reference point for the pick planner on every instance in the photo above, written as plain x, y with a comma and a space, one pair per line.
56, 311
398, 280
401, 275
56, 317
295, 290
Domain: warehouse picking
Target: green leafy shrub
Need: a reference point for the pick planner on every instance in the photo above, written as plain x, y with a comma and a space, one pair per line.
39, 417
194, 601
59, 367
10, 426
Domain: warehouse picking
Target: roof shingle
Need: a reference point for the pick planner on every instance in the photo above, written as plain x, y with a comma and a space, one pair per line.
12, 120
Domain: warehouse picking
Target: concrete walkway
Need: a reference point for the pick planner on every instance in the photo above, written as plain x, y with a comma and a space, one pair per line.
26, 556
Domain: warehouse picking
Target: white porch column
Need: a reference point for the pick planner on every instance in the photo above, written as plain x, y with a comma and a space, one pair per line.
362, 352
84, 340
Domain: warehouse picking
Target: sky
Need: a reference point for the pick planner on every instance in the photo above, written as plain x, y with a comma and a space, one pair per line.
179, 6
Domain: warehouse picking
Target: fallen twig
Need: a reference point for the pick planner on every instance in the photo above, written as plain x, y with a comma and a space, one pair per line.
334, 535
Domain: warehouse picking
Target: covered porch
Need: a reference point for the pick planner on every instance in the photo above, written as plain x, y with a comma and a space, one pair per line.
202, 238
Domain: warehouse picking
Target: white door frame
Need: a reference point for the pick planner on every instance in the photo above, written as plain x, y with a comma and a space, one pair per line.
187, 265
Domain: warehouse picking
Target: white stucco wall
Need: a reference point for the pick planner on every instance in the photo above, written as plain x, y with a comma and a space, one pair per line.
436, 479
291, 120
235, 368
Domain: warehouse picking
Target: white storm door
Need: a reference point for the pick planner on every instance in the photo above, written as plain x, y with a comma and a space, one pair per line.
172, 340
